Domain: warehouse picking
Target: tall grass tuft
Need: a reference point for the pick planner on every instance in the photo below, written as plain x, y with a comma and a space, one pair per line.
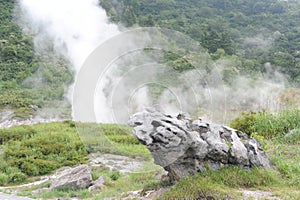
267, 124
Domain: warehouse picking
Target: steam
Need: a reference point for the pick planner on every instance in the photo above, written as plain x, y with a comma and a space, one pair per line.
75, 27
259, 41
142, 79
135, 86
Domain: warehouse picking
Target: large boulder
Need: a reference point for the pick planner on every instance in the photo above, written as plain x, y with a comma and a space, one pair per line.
79, 177
185, 147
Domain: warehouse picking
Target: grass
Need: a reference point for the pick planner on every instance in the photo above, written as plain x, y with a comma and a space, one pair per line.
284, 181
40, 149
111, 138
104, 138
267, 124
129, 182
116, 184
64, 194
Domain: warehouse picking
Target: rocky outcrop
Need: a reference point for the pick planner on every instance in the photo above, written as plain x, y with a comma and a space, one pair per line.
79, 177
185, 147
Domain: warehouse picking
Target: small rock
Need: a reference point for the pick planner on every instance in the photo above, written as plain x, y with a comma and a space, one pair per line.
98, 184
40, 191
33, 107
292, 134
79, 177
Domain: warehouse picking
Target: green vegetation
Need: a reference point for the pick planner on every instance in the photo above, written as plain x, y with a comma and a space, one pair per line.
17, 60
30, 151
27, 78
230, 181
221, 184
38, 150
27, 153
130, 182
114, 187
283, 149
42, 148
250, 33
111, 138
247, 33
269, 125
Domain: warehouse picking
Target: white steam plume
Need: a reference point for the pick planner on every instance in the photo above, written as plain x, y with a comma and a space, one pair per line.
76, 27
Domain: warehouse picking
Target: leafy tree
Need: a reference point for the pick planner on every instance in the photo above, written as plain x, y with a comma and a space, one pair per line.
128, 16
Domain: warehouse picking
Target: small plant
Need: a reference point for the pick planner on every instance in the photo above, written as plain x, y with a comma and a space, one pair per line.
115, 175
17, 177
260, 138
99, 171
245, 122
3, 179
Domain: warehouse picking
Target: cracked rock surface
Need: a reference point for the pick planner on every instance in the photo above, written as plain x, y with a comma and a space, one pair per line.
184, 147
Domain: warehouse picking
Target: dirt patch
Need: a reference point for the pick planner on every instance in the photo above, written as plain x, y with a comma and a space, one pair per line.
258, 194
119, 163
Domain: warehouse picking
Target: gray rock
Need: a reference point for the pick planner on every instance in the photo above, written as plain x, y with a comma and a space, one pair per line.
98, 184
40, 191
79, 177
294, 133
185, 147
33, 107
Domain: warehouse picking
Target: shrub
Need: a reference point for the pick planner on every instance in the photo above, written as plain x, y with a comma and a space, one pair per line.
115, 175
3, 179
267, 124
17, 177
29, 168
46, 166
244, 122
17, 133
39, 149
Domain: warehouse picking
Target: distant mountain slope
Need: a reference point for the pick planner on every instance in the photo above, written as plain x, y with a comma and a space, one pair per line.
257, 31
22, 79
249, 33
16, 50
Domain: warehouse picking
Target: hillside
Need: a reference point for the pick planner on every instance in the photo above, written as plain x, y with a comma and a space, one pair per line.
249, 33
255, 32
28, 78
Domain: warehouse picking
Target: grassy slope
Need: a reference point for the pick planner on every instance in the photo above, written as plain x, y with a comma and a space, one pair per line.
106, 138
284, 182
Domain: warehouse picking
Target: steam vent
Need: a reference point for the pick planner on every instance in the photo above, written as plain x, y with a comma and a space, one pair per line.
184, 147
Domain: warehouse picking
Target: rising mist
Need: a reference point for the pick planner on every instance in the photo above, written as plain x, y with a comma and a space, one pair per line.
76, 28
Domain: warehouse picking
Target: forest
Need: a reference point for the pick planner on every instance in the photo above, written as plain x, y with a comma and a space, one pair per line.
249, 33
27, 78
253, 32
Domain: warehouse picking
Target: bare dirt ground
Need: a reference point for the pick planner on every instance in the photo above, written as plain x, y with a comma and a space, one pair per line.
258, 194
12, 197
